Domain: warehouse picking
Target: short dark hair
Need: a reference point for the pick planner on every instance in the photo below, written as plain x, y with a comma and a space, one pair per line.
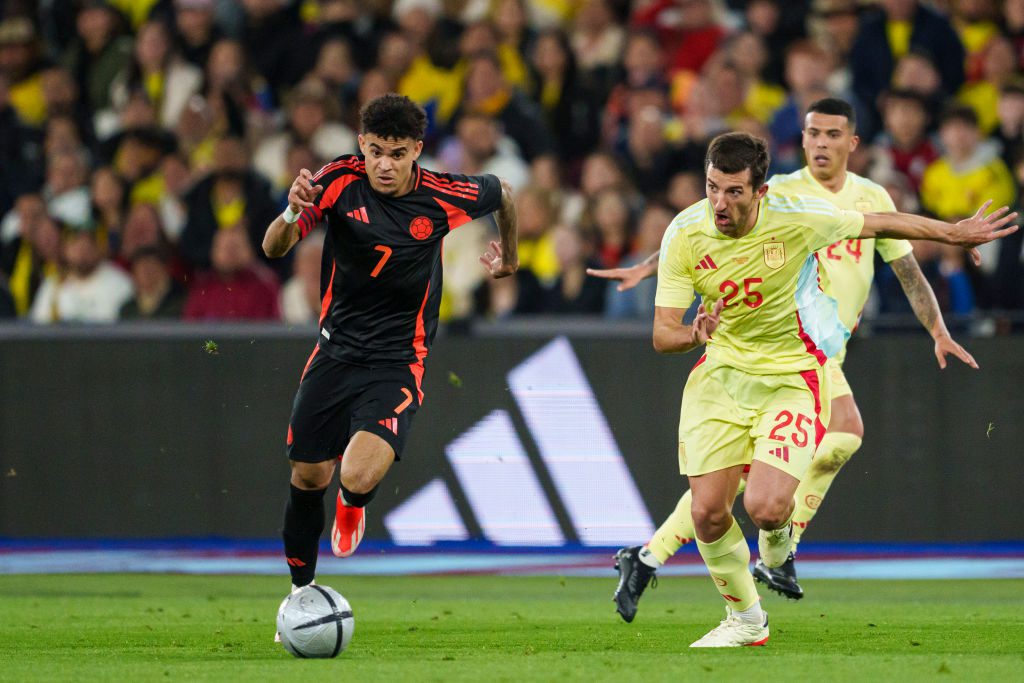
735, 152
959, 112
394, 116
908, 95
833, 106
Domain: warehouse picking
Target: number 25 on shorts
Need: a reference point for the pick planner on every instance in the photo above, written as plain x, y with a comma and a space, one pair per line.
798, 435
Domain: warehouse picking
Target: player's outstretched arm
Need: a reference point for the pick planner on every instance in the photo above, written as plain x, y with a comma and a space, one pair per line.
926, 308
502, 258
968, 233
671, 335
283, 232
629, 277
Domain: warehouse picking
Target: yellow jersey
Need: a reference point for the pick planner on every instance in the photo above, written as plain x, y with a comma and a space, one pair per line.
850, 264
777, 317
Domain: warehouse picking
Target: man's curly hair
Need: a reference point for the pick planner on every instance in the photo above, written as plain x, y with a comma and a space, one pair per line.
394, 116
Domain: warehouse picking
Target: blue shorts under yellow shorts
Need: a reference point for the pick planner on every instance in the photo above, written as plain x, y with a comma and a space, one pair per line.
730, 417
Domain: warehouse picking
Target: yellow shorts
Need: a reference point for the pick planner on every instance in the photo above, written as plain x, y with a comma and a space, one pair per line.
839, 386
730, 417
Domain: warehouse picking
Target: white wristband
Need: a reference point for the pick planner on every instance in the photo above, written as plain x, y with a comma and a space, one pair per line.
290, 216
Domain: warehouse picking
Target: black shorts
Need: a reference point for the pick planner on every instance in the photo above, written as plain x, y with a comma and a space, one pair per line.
335, 400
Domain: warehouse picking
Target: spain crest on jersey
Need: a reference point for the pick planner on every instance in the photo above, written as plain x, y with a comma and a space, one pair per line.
774, 254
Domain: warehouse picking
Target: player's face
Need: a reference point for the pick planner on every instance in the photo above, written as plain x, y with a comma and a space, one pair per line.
389, 162
734, 200
828, 141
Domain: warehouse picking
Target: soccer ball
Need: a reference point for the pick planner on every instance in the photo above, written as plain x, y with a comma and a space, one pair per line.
315, 622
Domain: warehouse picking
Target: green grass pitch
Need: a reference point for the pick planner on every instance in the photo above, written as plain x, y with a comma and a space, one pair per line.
410, 629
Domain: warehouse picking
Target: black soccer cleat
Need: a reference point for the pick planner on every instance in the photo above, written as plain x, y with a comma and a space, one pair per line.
781, 579
634, 576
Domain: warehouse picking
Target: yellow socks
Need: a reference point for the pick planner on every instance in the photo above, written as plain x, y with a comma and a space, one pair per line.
727, 560
675, 532
833, 452
677, 529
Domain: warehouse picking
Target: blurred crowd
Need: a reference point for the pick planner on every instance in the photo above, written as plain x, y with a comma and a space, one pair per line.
145, 145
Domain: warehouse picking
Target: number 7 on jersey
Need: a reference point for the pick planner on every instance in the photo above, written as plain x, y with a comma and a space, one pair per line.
385, 255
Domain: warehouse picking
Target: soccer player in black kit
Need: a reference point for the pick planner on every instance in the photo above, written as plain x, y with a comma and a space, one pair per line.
380, 289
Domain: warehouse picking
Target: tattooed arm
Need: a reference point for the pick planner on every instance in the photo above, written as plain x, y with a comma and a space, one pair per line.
926, 308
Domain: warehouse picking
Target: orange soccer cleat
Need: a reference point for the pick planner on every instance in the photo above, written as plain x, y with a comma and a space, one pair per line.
347, 530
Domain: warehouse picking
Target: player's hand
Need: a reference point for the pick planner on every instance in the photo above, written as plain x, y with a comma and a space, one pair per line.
945, 345
303, 191
706, 322
981, 229
628, 277
494, 264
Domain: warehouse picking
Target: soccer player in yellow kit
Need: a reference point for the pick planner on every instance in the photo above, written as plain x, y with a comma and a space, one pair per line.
829, 138
758, 398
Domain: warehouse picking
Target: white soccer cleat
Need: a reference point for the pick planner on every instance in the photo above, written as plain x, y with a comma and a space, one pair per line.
734, 632
774, 545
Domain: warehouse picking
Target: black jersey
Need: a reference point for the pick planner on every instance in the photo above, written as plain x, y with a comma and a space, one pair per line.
381, 273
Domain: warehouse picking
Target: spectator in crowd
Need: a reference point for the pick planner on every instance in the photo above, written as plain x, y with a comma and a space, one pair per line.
237, 286
195, 29
66, 190
969, 171
156, 70
300, 294
806, 75
904, 145
1010, 133
638, 303
478, 147
597, 39
688, 30
273, 36
1013, 27
897, 28
685, 189
643, 68
610, 227
536, 214
230, 195
29, 249
91, 289
335, 68
566, 98
142, 230
487, 92
998, 64
313, 120
98, 52
21, 63
573, 292
157, 296
21, 149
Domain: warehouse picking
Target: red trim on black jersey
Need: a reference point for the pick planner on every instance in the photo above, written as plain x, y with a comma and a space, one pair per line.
448, 191
456, 216
419, 345
325, 305
334, 190
352, 163
308, 219
463, 185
